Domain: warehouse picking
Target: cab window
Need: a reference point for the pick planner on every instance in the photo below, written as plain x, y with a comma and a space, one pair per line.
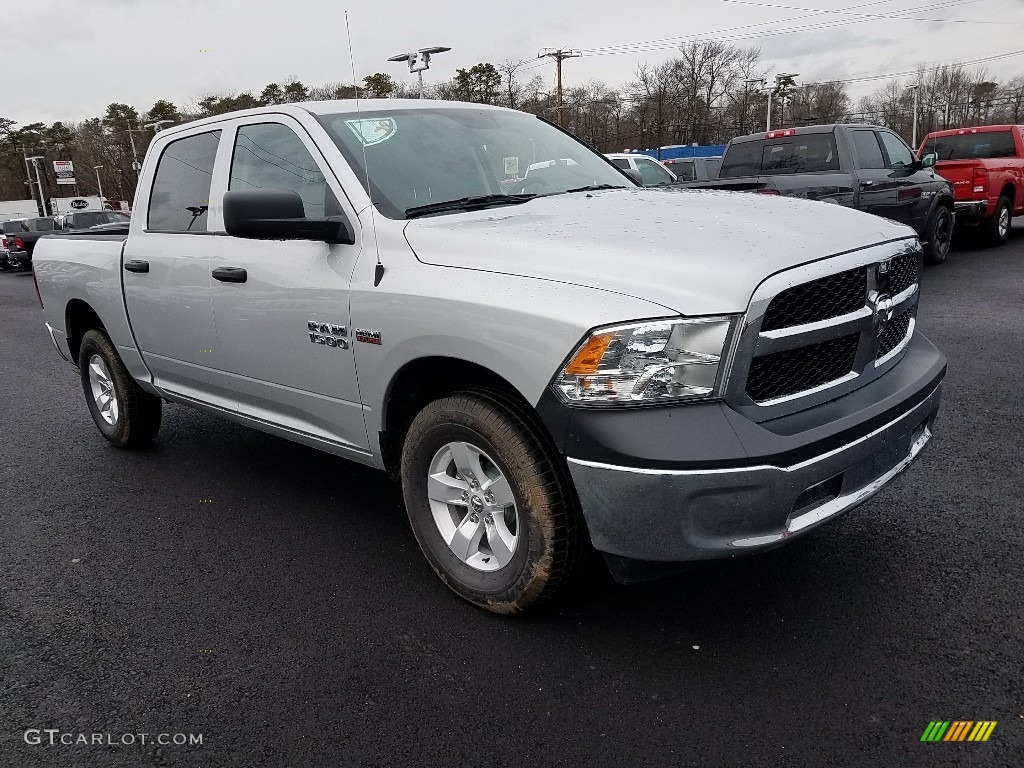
271, 156
899, 153
653, 175
181, 188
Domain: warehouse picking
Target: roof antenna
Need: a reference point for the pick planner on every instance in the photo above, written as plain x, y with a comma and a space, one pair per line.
378, 271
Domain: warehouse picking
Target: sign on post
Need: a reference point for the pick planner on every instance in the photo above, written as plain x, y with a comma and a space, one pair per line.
64, 170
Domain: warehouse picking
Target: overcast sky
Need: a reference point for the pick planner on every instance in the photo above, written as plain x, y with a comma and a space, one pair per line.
67, 59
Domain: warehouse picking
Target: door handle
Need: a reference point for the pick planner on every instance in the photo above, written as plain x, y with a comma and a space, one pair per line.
867, 184
230, 274
136, 265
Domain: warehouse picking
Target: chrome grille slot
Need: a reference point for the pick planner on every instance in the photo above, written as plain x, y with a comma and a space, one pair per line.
903, 271
894, 333
821, 299
786, 373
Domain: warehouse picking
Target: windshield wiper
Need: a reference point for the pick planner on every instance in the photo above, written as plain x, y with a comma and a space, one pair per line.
589, 188
466, 204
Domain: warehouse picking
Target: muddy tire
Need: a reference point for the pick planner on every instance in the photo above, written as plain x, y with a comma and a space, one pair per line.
125, 414
491, 503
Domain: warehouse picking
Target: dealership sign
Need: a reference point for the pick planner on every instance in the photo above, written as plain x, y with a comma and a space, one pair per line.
64, 171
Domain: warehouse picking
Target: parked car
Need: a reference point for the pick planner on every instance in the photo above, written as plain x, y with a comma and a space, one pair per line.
986, 168
859, 166
87, 219
22, 235
694, 168
652, 173
538, 378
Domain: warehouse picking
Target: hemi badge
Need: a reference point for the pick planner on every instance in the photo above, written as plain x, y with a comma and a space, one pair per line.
367, 336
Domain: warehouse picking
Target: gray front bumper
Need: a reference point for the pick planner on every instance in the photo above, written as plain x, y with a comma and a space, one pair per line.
679, 515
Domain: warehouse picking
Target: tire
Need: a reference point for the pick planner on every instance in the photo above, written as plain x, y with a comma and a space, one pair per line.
131, 417
4, 265
939, 234
528, 542
995, 230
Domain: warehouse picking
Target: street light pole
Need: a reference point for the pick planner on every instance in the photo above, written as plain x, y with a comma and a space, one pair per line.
915, 88
419, 60
98, 182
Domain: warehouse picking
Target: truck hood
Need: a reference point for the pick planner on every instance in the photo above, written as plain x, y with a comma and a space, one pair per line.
693, 252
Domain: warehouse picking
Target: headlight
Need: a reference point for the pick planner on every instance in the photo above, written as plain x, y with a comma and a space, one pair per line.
647, 362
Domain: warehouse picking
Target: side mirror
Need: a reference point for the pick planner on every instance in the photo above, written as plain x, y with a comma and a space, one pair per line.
278, 214
929, 160
634, 176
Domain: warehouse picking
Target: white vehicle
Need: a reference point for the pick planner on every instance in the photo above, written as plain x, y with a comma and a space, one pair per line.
652, 173
542, 370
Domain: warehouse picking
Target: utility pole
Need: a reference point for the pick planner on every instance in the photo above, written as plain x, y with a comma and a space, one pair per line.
39, 182
558, 56
99, 183
913, 141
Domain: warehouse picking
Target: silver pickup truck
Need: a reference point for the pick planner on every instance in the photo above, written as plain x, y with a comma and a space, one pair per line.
551, 362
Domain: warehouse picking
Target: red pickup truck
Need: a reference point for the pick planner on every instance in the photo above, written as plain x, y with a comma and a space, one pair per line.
985, 165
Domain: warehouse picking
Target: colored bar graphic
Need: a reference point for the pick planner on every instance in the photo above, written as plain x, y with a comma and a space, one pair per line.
958, 730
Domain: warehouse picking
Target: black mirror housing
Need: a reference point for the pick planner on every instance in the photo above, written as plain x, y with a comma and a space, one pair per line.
278, 214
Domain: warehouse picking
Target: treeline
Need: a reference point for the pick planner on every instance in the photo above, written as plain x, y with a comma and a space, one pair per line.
707, 94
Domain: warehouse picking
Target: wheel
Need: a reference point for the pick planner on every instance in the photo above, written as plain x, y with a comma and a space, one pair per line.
4, 264
126, 415
939, 235
996, 228
490, 502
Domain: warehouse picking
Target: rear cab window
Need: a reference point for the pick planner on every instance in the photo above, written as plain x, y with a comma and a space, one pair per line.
180, 197
803, 153
972, 146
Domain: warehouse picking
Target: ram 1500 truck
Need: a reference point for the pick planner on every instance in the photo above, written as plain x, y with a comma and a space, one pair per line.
541, 380
986, 168
861, 166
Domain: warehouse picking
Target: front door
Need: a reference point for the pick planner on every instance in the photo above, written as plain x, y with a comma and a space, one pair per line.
282, 307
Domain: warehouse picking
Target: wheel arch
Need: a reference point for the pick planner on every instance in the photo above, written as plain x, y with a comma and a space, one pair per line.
1010, 193
79, 319
423, 380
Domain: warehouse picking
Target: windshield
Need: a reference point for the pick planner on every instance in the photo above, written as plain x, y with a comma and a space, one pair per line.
427, 157
972, 146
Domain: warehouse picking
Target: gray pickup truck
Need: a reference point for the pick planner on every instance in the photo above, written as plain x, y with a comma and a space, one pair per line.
866, 167
545, 372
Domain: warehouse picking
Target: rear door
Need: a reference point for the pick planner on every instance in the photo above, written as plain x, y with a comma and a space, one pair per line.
282, 307
166, 272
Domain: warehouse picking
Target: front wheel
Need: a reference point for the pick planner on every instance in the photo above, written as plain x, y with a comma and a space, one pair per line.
938, 235
490, 502
127, 415
996, 228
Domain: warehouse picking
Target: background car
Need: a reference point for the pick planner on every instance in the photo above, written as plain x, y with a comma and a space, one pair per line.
652, 172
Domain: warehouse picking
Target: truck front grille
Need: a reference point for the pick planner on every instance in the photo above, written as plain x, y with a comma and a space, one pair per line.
815, 340
821, 299
794, 370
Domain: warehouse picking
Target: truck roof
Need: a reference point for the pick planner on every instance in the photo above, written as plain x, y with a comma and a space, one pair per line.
974, 129
779, 133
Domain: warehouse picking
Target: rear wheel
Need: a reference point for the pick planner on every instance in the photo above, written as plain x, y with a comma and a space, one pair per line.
490, 502
125, 414
939, 235
996, 228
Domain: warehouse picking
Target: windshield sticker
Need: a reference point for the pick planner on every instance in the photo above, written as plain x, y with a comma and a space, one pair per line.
373, 131
512, 166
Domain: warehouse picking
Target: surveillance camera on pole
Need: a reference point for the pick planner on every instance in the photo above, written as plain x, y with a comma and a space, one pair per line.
158, 125
419, 60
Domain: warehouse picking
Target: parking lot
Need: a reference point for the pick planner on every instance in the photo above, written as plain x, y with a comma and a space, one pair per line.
272, 598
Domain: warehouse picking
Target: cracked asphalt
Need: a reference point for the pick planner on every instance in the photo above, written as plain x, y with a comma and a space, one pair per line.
272, 599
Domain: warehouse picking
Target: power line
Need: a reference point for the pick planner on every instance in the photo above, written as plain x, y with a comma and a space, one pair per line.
900, 17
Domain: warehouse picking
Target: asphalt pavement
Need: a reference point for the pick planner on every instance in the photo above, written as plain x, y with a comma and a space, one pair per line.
272, 599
